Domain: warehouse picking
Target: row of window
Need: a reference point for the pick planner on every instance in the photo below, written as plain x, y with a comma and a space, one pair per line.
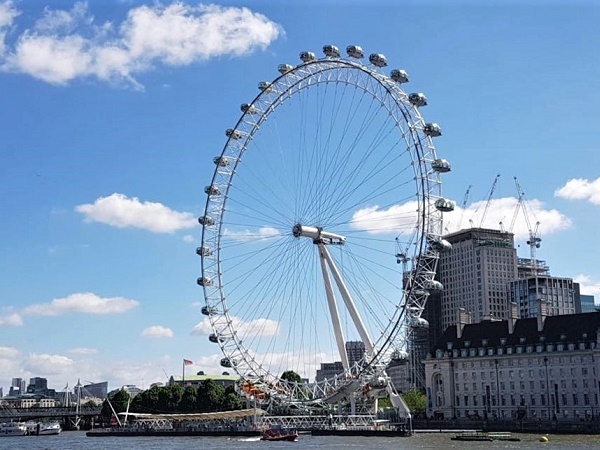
529, 400
523, 385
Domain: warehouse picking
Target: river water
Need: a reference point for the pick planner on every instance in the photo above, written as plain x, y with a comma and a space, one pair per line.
77, 440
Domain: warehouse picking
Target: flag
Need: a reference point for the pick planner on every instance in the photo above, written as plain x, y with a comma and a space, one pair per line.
187, 362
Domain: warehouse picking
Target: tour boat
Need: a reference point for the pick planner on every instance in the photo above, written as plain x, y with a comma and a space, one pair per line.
12, 429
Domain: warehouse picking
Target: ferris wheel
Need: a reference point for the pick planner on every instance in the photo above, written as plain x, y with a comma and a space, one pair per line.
328, 180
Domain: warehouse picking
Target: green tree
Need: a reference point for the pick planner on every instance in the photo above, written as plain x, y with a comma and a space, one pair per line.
416, 401
119, 401
210, 396
147, 401
291, 376
169, 398
189, 400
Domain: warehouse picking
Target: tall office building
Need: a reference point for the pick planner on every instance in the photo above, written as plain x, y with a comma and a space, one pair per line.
17, 387
561, 295
475, 274
96, 390
37, 385
587, 303
355, 351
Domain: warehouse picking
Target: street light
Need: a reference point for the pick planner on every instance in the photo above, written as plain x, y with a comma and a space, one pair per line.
253, 400
497, 390
547, 386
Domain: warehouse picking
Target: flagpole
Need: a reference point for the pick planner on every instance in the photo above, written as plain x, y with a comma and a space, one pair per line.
183, 373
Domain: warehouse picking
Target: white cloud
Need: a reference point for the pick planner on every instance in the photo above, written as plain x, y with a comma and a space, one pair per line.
248, 235
188, 238
66, 44
581, 189
588, 286
120, 211
12, 319
503, 210
157, 331
392, 220
8, 13
45, 364
257, 327
86, 303
82, 351
8, 353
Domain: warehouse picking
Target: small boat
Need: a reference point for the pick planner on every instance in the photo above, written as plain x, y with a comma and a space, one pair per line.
12, 429
484, 436
274, 435
42, 428
50, 428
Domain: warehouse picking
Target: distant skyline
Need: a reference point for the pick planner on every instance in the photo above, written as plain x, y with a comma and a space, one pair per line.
111, 113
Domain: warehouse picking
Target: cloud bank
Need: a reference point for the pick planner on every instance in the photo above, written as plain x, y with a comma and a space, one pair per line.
256, 327
120, 211
581, 189
86, 303
157, 331
64, 45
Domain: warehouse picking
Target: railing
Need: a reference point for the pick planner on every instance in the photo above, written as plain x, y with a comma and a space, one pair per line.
38, 413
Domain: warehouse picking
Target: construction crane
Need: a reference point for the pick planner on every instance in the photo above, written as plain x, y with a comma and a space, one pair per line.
534, 240
463, 205
489, 199
487, 204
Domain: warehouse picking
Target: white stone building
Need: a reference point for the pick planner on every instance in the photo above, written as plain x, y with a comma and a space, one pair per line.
535, 368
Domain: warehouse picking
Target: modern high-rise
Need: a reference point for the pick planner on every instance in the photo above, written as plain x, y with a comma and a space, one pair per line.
355, 351
37, 385
475, 274
96, 390
561, 295
17, 387
587, 303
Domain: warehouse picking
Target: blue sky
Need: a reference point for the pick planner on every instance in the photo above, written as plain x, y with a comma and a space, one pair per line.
111, 113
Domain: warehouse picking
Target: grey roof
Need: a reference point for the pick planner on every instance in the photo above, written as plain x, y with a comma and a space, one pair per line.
562, 328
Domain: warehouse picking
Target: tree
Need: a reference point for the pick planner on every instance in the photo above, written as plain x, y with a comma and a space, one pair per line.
189, 400
291, 376
119, 401
416, 401
210, 396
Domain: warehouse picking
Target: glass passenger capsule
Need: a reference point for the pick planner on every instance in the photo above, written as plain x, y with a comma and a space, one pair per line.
441, 165
432, 130
354, 51
378, 59
206, 220
204, 281
444, 205
399, 76
284, 68
307, 57
331, 51
417, 99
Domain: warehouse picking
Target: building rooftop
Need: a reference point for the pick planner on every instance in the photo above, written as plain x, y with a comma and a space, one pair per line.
561, 328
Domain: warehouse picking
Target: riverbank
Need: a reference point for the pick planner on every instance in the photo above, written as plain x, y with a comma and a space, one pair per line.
591, 427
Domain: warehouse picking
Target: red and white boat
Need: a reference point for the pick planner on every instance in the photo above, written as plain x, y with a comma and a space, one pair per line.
274, 435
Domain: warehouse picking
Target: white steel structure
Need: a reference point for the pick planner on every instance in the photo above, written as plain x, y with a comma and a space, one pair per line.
327, 168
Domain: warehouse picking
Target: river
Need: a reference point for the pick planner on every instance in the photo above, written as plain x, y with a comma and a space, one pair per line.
77, 440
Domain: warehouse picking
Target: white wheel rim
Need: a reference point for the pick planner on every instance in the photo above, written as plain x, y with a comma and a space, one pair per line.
327, 139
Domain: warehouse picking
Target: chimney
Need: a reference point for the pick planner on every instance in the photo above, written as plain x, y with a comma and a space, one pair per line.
542, 314
464, 318
513, 315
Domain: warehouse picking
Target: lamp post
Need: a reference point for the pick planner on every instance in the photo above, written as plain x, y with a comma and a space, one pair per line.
547, 386
497, 390
253, 400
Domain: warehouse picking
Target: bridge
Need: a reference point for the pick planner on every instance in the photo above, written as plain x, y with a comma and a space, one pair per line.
25, 414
